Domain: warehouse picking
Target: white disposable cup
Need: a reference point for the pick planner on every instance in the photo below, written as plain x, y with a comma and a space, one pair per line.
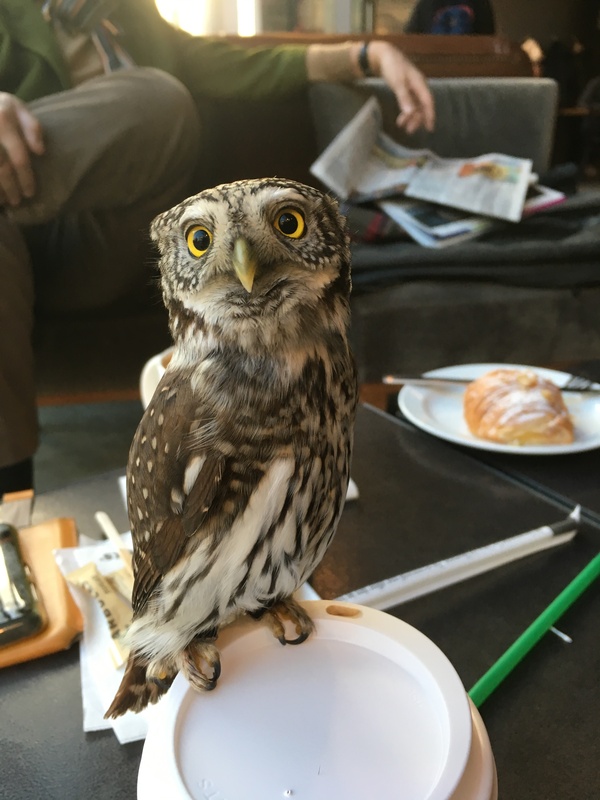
366, 707
152, 372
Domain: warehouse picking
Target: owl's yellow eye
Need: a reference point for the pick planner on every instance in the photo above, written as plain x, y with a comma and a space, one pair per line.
198, 240
290, 222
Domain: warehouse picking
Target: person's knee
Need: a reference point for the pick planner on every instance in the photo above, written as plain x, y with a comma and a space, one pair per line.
142, 106
162, 110
149, 85
153, 97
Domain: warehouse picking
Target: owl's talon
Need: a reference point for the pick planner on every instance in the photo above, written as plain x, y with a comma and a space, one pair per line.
191, 665
216, 671
299, 639
289, 610
302, 637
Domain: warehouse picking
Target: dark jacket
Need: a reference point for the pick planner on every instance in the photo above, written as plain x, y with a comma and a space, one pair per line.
448, 17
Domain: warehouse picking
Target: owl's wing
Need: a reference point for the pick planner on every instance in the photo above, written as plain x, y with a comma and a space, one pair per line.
171, 486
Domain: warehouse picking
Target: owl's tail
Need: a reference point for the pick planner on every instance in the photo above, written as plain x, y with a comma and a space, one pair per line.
136, 690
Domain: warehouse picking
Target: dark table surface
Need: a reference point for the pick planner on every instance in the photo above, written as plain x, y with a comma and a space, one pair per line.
420, 500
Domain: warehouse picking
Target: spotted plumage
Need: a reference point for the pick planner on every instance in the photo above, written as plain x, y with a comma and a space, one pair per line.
239, 468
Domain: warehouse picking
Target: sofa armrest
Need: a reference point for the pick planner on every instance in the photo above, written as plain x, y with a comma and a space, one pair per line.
516, 116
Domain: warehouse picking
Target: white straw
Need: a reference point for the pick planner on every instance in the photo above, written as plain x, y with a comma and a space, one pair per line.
424, 580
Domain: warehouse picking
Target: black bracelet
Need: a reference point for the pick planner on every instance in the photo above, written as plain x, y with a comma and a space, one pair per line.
363, 61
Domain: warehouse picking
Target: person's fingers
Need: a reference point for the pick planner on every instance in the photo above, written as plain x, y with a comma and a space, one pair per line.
19, 158
405, 102
412, 115
32, 130
411, 121
9, 184
20, 136
424, 98
417, 115
415, 101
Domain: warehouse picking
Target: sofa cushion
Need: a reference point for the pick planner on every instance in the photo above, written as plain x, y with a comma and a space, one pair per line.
422, 325
559, 247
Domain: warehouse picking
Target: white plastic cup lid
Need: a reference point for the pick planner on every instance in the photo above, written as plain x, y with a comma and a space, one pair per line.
366, 707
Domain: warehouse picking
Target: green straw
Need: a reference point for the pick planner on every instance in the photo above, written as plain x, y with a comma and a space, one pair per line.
531, 636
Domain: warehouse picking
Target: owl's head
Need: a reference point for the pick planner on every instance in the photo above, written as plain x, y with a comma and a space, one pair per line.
253, 249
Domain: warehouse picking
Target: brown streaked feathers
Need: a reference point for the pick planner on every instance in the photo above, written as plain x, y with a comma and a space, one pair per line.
238, 471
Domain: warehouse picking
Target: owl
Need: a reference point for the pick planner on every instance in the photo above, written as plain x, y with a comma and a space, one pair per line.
237, 473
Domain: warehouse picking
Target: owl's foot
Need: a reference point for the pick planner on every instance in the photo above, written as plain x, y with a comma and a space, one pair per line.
198, 659
289, 610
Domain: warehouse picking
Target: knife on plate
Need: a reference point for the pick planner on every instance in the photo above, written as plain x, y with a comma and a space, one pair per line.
578, 385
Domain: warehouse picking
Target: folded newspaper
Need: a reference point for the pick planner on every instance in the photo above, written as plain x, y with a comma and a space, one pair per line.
363, 163
436, 226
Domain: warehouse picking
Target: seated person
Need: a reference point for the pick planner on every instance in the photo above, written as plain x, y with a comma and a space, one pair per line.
445, 17
100, 130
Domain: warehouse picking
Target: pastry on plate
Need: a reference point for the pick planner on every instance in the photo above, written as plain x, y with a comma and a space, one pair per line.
517, 407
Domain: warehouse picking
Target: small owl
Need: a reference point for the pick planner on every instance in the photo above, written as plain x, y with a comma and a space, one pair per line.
238, 470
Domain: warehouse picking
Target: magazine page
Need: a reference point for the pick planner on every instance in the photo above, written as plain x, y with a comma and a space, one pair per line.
435, 226
541, 197
491, 184
436, 220
364, 163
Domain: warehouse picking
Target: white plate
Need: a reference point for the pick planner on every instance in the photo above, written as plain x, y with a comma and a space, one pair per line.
439, 411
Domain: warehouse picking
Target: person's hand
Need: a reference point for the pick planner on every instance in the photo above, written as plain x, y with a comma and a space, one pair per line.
20, 136
408, 84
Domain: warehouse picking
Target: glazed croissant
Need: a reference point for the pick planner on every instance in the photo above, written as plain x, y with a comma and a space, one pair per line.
517, 407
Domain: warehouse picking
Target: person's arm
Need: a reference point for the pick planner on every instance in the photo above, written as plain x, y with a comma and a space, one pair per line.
348, 61
20, 137
216, 68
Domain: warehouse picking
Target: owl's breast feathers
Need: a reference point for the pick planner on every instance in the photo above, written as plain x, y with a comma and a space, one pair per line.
204, 445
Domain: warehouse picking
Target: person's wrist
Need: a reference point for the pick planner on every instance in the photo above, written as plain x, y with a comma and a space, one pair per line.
364, 63
377, 53
333, 62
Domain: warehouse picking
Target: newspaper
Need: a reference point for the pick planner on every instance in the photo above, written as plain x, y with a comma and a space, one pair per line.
363, 163
492, 184
436, 226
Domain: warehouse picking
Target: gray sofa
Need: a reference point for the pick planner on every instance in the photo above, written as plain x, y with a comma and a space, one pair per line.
528, 293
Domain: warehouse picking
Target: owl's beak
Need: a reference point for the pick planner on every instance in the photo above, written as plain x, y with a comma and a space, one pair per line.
244, 263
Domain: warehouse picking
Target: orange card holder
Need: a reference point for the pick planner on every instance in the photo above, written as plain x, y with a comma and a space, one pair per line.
63, 621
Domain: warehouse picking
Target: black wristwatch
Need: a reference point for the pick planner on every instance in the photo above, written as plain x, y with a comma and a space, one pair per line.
363, 61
